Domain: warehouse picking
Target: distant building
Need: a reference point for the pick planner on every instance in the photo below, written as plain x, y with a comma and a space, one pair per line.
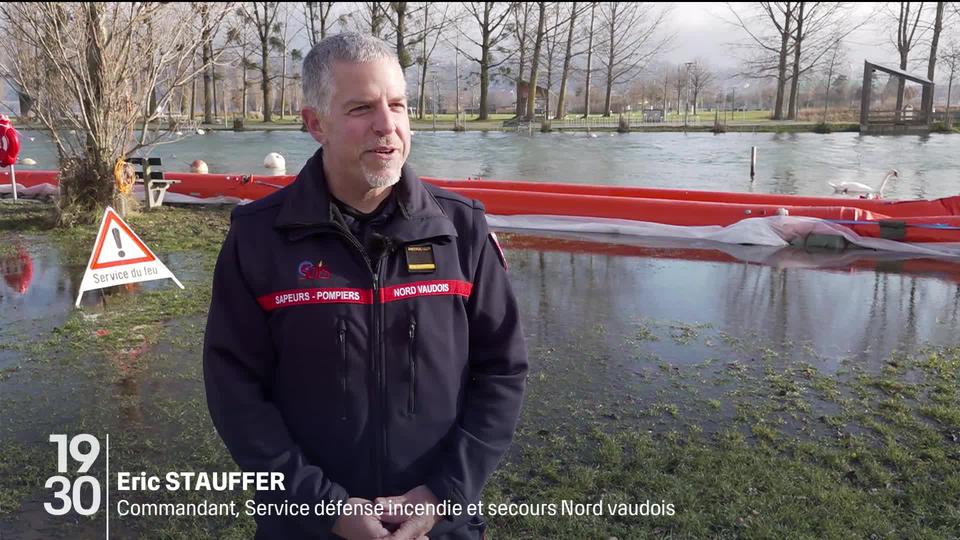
540, 98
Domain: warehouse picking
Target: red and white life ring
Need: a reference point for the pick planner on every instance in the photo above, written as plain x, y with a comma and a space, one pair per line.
9, 142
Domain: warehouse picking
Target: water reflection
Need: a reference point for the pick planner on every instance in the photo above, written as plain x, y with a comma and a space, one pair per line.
17, 270
861, 305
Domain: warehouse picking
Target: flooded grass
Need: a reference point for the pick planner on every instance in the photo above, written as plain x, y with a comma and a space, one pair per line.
746, 433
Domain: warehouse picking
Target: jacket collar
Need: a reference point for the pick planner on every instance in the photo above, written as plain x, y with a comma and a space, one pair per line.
306, 206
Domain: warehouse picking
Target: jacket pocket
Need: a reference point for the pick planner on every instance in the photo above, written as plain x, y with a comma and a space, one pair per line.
412, 349
344, 366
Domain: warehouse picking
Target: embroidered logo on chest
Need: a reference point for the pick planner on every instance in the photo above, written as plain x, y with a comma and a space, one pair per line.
308, 270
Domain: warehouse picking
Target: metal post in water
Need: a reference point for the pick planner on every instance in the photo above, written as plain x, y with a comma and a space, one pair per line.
13, 181
753, 162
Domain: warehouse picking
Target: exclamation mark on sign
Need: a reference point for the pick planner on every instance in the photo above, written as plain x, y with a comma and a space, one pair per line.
116, 236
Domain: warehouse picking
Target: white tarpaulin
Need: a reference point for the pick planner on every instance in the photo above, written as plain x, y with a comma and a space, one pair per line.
765, 231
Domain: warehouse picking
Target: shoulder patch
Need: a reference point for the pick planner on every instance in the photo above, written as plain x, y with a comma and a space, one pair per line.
496, 244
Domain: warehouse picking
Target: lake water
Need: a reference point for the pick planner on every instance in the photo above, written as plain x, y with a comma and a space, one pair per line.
795, 163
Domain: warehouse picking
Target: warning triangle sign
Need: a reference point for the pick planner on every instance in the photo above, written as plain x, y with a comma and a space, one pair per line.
120, 257
117, 245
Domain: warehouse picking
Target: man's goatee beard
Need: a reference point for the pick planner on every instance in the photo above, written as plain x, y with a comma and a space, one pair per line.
380, 179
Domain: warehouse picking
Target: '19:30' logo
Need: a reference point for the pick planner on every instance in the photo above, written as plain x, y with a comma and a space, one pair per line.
83, 448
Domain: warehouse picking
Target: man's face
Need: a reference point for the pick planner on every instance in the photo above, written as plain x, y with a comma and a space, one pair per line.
366, 132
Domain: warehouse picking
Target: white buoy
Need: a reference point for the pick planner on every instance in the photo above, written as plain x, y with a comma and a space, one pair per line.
200, 131
199, 166
274, 161
28, 161
593, 135
178, 133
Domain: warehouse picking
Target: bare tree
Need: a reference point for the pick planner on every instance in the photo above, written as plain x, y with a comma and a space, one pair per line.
700, 78
569, 56
369, 17
207, 48
241, 39
770, 31
934, 42
296, 56
491, 19
93, 69
398, 15
909, 33
280, 42
433, 25
535, 61
835, 56
551, 44
951, 59
589, 71
631, 32
263, 15
818, 27
521, 14
316, 16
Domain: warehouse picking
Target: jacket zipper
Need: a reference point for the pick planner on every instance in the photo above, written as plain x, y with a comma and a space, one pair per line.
342, 339
381, 436
412, 403
381, 375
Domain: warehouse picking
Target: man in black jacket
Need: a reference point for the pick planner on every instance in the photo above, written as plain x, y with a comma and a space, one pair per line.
363, 339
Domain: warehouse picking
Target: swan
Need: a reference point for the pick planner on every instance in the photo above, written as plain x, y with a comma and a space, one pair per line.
858, 188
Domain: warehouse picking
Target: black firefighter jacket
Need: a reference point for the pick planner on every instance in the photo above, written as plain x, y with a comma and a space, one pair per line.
360, 374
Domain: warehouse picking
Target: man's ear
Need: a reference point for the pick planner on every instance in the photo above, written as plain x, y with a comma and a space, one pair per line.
312, 121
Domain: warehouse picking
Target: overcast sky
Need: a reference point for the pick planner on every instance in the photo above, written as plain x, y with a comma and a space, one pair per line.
702, 30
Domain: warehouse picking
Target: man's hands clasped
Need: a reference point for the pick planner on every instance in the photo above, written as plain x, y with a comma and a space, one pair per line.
405, 511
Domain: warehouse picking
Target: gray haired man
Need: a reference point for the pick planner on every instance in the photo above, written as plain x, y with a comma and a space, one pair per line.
363, 338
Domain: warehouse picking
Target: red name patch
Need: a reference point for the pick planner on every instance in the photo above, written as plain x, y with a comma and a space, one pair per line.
300, 297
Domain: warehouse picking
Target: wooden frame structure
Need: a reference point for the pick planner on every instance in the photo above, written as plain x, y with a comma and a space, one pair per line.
899, 122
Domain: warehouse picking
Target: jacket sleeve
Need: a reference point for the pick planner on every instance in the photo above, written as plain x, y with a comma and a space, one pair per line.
494, 390
238, 362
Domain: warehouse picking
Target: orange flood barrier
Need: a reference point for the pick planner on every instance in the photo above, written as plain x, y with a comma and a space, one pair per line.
935, 220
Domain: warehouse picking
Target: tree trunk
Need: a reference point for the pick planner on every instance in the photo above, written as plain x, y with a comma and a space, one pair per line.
213, 75
826, 97
561, 96
376, 19
586, 93
421, 102
265, 79
666, 81
193, 99
207, 49
535, 63
947, 119
901, 84
87, 184
484, 63
611, 35
932, 62
782, 65
795, 80
400, 8
680, 83
521, 107
310, 14
243, 92
283, 82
